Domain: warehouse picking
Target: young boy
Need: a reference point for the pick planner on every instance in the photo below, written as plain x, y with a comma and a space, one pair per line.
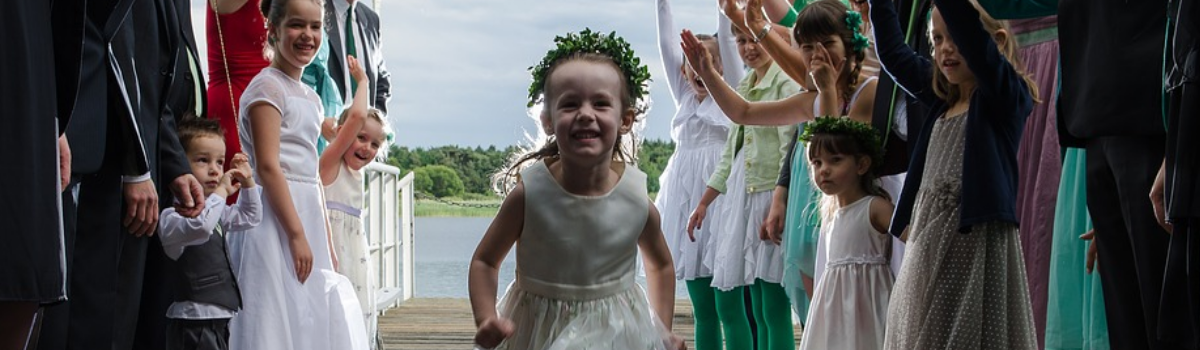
206, 293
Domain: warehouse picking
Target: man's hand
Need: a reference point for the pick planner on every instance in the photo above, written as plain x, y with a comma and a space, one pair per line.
189, 195
1090, 260
64, 162
1158, 197
141, 208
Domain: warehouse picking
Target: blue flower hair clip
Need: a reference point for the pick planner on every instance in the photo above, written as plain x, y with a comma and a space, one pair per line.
860, 42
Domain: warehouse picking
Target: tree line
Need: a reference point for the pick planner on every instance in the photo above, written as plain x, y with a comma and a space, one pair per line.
454, 171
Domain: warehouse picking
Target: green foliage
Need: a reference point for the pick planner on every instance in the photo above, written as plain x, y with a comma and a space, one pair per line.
637, 75
474, 166
652, 159
438, 180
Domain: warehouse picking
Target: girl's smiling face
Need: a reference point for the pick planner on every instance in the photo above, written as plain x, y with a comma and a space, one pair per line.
584, 109
298, 35
366, 145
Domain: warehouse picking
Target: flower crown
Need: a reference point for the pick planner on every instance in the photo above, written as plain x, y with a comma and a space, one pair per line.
637, 75
864, 134
854, 20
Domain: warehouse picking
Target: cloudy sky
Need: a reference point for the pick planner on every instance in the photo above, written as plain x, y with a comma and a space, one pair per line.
459, 66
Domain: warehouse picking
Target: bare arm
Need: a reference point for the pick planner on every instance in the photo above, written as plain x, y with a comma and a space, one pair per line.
792, 110
660, 271
881, 214
331, 159
493, 247
777, 45
265, 124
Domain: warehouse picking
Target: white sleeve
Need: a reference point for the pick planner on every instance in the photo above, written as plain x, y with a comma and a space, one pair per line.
178, 232
671, 52
731, 62
246, 213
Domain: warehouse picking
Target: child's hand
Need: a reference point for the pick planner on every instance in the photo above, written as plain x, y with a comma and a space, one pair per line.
227, 186
731, 9
823, 72
356, 70
677, 343
244, 175
755, 17
328, 129
772, 227
697, 55
302, 257
696, 220
493, 331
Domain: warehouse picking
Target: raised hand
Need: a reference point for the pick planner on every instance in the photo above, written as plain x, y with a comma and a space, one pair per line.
733, 10
756, 18
244, 175
356, 70
697, 55
493, 331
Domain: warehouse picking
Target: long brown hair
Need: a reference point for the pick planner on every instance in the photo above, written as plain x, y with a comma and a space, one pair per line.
949, 92
505, 180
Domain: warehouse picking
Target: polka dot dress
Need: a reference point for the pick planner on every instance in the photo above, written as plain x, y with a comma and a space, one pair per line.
957, 291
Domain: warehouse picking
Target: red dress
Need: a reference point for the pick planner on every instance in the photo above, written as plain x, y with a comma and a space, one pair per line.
245, 34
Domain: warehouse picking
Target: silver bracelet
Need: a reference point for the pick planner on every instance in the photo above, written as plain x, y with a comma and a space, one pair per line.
763, 32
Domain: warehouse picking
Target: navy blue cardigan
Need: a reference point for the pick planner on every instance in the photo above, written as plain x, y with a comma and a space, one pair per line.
999, 106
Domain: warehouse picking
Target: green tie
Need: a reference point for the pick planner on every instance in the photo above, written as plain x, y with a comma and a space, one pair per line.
350, 48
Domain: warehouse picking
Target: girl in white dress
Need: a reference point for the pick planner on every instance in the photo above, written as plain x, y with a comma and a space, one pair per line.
699, 130
292, 299
360, 135
849, 306
579, 212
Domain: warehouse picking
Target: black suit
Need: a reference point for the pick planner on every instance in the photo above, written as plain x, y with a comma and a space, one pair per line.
370, 56
30, 225
117, 130
168, 91
1182, 276
105, 145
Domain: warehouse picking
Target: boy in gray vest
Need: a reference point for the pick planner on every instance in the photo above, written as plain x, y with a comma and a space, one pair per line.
205, 291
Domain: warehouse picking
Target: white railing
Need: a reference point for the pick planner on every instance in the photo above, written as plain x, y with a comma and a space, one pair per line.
388, 222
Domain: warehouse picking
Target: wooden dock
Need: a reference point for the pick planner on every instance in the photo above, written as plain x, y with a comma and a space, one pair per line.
446, 323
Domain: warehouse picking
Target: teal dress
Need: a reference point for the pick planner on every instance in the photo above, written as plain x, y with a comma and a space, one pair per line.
1075, 314
316, 75
800, 234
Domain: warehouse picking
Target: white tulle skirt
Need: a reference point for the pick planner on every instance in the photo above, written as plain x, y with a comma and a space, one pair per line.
621, 321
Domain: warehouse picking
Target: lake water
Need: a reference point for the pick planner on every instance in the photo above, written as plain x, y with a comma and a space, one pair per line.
443, 250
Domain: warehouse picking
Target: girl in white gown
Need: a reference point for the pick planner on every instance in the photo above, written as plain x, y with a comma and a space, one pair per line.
849, 306
291, 297
578, 215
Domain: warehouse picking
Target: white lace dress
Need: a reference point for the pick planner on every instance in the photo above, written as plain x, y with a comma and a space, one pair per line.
278, 311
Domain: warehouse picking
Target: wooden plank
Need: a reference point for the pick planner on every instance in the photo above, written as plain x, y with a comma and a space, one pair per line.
446, 323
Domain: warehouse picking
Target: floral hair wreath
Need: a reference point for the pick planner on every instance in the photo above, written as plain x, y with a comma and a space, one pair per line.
862, 133
637, 75
854, 20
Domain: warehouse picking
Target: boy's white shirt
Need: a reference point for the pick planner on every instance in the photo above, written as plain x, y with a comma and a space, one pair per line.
178, 232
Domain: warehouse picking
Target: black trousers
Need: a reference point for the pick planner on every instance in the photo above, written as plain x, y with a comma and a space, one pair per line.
1181, 285
94, 240
104, 270
198, 334
1132, 247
